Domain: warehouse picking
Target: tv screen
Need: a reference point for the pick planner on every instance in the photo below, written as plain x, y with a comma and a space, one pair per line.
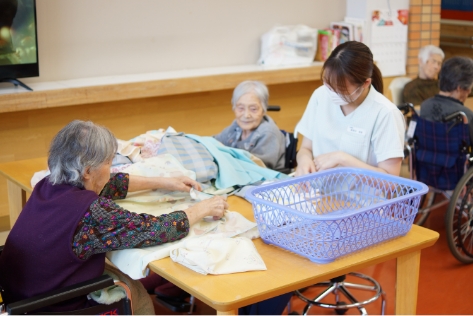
18, 41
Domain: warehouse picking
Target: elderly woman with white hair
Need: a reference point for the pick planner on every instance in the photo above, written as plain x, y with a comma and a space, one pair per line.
426, 84
71, 220
252, 129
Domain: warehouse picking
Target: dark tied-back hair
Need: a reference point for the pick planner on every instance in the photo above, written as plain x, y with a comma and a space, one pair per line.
351, 60
456, 72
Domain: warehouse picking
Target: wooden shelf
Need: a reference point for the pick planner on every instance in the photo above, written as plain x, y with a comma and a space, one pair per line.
106, 89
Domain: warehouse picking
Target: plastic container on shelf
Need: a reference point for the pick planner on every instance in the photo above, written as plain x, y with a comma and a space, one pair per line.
328, 214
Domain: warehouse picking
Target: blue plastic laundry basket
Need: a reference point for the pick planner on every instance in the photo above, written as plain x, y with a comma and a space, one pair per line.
328, 214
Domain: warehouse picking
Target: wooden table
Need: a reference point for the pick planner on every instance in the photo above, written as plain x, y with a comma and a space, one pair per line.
286, 271
18, 174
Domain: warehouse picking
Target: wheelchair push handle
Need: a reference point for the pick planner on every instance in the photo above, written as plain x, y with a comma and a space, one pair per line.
459, 116
406, 108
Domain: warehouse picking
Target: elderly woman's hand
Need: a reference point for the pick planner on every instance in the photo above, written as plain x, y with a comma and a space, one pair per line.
214, 207
181, 183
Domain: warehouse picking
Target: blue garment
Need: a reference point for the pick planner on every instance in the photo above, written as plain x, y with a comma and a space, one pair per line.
271, 306
234, 165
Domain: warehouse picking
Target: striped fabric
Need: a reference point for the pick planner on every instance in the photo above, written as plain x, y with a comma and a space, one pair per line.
440, 153
191, 154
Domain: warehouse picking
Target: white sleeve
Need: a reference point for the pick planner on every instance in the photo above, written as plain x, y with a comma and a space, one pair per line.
388, 137
306, 124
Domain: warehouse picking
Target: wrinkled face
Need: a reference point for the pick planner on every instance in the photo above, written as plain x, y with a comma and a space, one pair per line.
432, 66
98, 177
248, 112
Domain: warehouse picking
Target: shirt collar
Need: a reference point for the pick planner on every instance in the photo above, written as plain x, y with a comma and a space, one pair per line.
439, 96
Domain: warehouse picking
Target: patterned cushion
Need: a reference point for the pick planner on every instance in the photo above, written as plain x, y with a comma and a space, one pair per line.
191, 154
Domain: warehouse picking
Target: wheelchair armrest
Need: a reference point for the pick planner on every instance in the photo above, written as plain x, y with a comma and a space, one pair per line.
273, 108
59, 295
406, 108
460, 115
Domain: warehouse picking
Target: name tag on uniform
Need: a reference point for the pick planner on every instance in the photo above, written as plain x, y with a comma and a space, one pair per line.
356, 130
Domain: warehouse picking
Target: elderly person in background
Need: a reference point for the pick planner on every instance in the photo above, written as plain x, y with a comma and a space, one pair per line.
426, 84
252, 129
456, 83
71, 221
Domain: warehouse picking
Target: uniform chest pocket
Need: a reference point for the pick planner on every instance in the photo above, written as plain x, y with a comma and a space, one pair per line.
356, 145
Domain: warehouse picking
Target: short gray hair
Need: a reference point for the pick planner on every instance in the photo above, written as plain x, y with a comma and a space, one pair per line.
456, 72
258, 88
428, 50
77, 146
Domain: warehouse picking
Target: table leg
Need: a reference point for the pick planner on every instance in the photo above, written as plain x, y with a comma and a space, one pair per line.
407, 280
16, 201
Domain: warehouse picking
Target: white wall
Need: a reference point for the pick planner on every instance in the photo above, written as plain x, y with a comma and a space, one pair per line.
90, 38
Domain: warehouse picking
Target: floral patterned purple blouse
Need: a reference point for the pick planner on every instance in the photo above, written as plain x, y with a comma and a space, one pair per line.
106, 226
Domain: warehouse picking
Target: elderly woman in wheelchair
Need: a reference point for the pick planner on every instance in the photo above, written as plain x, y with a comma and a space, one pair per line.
71, 220
455, 83
439, 147
252, 129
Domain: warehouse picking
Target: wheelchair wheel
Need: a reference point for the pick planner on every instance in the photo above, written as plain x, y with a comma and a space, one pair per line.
459, 219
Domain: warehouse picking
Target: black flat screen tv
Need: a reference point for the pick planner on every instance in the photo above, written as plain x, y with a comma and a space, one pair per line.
18, 41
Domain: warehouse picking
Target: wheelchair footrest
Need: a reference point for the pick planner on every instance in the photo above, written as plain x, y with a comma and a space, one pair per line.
177, 305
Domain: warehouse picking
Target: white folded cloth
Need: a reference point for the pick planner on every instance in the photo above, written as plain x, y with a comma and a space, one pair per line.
134, 262
108, 295
38, 176
224, 255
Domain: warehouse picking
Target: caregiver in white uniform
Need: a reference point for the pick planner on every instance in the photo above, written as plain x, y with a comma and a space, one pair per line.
348, 121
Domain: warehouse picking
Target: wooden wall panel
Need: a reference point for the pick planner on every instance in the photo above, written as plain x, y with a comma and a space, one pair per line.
457, 39
27, 134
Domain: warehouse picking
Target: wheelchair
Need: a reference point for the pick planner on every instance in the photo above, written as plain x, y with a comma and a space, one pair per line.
32, 304
291, 146
439, 155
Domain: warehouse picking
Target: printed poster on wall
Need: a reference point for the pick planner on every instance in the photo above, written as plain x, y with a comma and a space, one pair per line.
389, 40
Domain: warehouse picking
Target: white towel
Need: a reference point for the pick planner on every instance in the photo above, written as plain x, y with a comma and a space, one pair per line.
108, 295
223, 255
134, 262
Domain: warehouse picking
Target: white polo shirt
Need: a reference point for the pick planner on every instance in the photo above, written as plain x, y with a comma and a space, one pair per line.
374, 132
